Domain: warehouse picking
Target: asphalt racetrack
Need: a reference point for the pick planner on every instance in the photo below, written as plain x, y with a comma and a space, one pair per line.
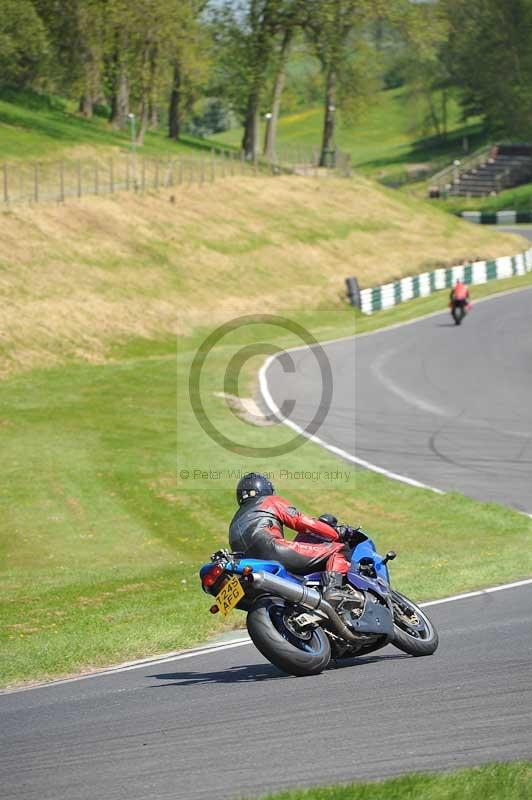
229, 725
448, 406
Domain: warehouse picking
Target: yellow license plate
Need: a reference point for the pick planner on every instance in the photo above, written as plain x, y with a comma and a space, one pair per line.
230, 595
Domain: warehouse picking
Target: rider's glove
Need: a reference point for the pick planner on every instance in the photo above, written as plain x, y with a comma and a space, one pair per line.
350, 536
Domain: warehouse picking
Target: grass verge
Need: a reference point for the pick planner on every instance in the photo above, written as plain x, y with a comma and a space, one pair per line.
114, 495
518, 199
489, 782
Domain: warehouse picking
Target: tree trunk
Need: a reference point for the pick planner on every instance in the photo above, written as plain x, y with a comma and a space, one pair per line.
120, 90
327, 144
86, 105
153, 115
250, 140
433, 113
174, 110
144, 118
271, 127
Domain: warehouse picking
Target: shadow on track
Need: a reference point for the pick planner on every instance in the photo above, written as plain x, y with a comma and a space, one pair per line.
255, 672
245, 674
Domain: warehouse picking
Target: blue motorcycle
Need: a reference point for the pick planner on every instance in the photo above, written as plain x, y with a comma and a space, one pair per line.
297, 630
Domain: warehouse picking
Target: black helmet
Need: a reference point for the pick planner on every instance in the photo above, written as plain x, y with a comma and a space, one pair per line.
253, 485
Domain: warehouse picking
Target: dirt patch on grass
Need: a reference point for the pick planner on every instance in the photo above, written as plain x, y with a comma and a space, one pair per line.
76, 278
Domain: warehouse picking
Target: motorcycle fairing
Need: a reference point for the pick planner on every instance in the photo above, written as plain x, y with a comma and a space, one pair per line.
274, 567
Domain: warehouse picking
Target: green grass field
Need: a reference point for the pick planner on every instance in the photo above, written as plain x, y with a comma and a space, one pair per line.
42, 127
518, 199
103, 532
489, 782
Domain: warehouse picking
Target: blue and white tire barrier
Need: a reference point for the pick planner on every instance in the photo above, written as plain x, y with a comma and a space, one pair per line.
391, 294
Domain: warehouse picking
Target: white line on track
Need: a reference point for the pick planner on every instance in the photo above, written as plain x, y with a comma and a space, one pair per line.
244, 640
338, 451
330, 447
477, 593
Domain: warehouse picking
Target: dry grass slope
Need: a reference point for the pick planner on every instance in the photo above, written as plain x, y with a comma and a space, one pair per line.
78, 277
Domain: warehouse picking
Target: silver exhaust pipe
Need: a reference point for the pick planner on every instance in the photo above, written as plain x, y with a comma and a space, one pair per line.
303, 596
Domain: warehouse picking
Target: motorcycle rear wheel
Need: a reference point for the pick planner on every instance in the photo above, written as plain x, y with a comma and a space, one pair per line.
413, 632
458, 314
300, 654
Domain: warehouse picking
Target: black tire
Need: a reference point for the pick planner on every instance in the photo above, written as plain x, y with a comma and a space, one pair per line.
413, 632
292, 653
458, 314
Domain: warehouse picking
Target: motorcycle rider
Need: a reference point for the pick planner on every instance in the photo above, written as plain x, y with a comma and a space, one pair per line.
459, 293
257, 530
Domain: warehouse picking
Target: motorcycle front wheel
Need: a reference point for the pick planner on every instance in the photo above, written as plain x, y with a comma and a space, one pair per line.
271, 626
413, 632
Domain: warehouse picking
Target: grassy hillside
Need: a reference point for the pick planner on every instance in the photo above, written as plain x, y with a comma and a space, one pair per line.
78, 278
383, 140
42, 127
108, 506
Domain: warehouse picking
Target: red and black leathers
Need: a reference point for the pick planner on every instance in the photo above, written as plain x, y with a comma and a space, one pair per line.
257, 530
460, 292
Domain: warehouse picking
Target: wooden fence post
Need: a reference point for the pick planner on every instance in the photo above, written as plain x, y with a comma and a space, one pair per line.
61, 182
36, 182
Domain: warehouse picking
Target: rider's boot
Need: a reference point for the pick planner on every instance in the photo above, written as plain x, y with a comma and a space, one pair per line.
331, 587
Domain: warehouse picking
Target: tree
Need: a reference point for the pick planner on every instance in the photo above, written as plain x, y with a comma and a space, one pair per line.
419, 33
330, 26
491, 60
76, 31
291, 16
190, 61
23, 42
244, 38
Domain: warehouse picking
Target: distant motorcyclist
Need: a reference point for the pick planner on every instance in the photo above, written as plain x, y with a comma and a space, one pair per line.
460, 293
459, 301
257, 530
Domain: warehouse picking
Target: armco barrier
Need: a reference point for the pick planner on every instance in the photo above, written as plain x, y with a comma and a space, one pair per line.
391, 294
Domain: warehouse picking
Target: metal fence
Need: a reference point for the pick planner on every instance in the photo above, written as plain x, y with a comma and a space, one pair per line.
56, 181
